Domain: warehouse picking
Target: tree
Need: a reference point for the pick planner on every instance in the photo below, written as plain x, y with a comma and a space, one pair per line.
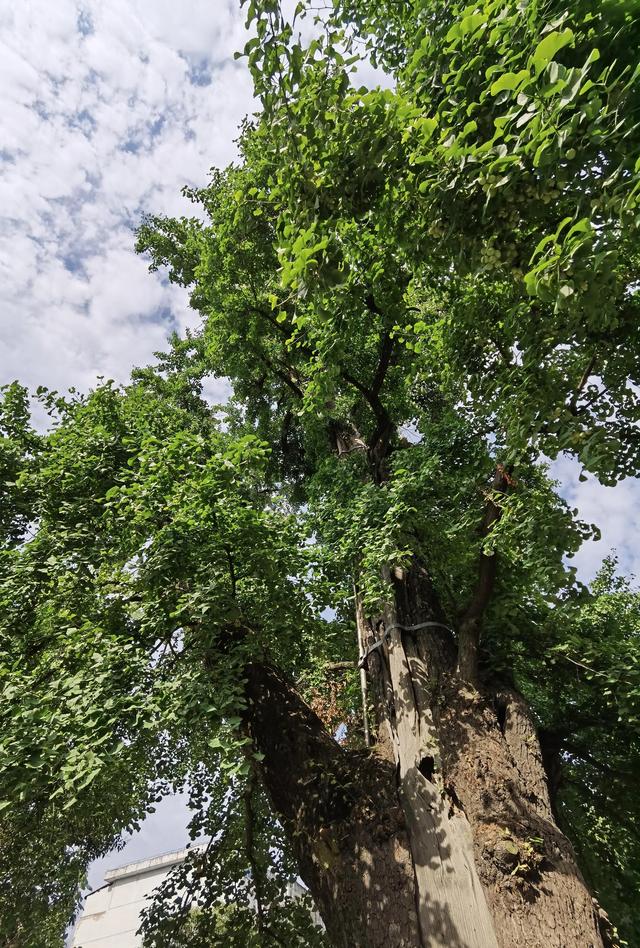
418, 293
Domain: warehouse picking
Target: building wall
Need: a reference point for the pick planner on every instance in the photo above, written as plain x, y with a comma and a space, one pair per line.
111, 914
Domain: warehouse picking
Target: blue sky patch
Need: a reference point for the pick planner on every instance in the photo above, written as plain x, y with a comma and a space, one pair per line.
156, 127
41, 110
84, 121
131, 145
84, 23
73, 262
199, 71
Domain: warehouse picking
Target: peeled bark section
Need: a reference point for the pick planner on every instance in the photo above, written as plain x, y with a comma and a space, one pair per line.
452, 907
341, 815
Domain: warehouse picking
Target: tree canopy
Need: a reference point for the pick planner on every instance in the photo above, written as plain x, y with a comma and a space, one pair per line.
420, 292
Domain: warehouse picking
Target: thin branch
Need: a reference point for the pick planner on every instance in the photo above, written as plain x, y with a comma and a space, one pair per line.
593, 671
581, 665
577, 751
504, 353
573, 404
330, 668
250, 851
280, 327
256, 875
339, 666
594, 398
232, 572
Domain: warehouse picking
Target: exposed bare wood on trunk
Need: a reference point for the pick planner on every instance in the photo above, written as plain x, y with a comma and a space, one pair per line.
452, 906
362, 647
375, 668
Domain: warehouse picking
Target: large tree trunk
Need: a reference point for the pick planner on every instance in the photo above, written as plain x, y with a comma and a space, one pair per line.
442, 834
341, 815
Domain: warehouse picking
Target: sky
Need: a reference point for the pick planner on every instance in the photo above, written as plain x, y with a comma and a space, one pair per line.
106, 110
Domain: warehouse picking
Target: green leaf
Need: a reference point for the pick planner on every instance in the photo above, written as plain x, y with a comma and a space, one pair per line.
550, 46
510, 81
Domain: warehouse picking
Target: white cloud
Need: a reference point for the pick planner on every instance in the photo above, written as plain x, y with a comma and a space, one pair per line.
106, 110
615, 510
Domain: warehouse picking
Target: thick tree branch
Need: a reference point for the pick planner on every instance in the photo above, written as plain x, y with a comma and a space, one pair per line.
379, 440
386, 351
469, 630
281, 374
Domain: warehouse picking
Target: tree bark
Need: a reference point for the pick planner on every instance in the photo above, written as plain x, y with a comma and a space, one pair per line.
341, 815
490, 771
443, 835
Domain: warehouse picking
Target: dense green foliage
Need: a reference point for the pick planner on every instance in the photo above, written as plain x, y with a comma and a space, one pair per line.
406, 286
151, 548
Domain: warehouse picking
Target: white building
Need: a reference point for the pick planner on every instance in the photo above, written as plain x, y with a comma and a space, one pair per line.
111, 914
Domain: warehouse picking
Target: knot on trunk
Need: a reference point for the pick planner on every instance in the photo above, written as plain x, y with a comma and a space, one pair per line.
520, 859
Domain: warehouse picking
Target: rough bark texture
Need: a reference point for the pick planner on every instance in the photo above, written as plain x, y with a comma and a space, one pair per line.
342, 817
444, 835
527, 866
